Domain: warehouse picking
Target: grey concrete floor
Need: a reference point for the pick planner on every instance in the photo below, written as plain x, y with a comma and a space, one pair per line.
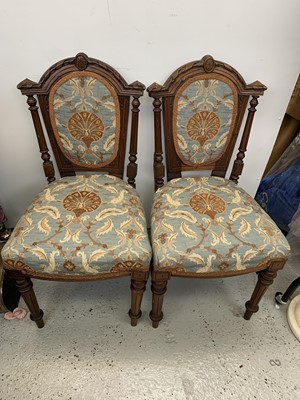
203, 348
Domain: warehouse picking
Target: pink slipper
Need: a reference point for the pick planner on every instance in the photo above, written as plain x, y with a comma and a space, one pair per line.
19, 313
9, 315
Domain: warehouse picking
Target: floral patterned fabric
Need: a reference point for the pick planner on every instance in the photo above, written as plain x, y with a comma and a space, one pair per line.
205, 110
211, 225
84, 112
81, 225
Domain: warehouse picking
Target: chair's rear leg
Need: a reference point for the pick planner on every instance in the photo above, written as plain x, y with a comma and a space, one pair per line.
159, 288
265, 279
24, 285
138, 286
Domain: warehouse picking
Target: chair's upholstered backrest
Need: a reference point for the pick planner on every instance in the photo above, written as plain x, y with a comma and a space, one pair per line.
85, 117
85, 106
205, 111
203, 107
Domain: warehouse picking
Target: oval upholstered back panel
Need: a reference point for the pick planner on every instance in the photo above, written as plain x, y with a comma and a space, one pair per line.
205, 111
85, 117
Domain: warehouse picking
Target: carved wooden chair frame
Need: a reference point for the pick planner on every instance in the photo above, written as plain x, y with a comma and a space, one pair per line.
163, 102
41, 90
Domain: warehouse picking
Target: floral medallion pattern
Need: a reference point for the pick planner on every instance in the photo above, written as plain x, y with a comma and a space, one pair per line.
86, 127
203, 126
80, 202
208, 204
84, 112
206, 111
81, 225
208, 225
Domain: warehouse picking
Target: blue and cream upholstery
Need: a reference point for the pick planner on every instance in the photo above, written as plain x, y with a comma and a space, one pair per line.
80, 226
89, 224
211, 225
207, 226
85, 117
206, 113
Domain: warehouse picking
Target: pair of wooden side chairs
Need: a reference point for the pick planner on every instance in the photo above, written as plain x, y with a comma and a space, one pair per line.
91, 226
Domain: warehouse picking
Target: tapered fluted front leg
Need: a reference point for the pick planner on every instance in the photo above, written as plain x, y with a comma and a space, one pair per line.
138, 286
265, 279
159, 288
24, 285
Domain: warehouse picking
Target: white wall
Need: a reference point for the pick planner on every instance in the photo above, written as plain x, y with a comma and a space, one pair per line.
144, 40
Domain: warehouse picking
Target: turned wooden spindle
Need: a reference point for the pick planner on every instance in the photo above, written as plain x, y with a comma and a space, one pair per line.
47, 163
239, 163
132, 166
159, 172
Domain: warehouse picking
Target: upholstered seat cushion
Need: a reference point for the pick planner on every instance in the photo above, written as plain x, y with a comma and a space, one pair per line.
81, 225
211, 225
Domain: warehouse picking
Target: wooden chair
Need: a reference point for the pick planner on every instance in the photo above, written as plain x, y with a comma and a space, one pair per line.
207, 226
90, 226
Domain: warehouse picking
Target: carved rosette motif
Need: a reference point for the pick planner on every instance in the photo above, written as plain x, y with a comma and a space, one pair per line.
81, 61
209, 64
